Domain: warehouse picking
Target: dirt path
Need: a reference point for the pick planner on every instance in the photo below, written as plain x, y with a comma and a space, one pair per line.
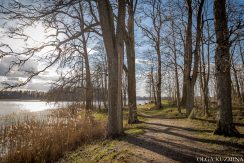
177, 140
165, 140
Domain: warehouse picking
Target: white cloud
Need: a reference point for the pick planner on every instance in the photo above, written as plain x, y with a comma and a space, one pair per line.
16, 72
18, 75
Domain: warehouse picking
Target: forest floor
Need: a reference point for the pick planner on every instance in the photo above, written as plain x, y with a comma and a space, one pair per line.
164, 136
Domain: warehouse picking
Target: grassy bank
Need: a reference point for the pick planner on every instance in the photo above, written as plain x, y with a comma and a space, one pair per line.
122, 150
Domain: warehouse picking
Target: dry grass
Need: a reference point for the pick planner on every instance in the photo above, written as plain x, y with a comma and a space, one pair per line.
46, 140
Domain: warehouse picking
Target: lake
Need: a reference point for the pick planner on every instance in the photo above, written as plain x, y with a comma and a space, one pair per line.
15, 106
11, 106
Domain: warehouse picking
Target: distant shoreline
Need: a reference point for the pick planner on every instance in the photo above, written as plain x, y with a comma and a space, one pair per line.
21, 100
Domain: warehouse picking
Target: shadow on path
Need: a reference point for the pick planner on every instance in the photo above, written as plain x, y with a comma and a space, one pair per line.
161, 149
172, 140
160, 116
214, 121
177, 127
180, 146
218, 142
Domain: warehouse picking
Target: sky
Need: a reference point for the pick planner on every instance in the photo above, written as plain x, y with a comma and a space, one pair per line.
42, 82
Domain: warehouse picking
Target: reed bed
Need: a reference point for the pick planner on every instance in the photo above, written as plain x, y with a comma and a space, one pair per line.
46, 139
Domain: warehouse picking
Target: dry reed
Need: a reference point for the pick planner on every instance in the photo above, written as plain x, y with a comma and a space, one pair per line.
46, 140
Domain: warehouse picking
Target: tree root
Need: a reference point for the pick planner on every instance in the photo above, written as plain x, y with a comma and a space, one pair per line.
228, 130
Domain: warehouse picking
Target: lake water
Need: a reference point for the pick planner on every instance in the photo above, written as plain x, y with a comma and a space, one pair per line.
8, 107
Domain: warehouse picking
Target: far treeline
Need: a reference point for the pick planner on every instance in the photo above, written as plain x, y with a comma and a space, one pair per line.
67, 94
22, 95
183, 49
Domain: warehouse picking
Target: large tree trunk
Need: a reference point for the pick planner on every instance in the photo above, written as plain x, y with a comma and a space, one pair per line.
190, 98
191, 80
114, 47
187, 57
131, 84
188, 60
184, 95
225, 124
130, 51
120, 47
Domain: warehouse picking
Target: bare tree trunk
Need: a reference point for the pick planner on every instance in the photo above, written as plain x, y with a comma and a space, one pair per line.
99, 99
191, 79
159, 78
125, 85
105, 75
225, 124
184, 92
153, 87
208, 74
237, 86
130, 51
176, 70
151, 91
89, 92
88, 88
177, 88
114, 48
120, 47
82, 80
105, 92
204, 80
188, 59
125, 101
202, 74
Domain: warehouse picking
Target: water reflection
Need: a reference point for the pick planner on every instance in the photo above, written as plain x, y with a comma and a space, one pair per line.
8, 107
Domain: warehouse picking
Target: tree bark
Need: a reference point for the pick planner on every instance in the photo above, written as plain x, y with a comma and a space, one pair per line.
105, 91
204, 79
225, 124
120, 47
153, 86
130, 51
113, 45
89, 92
159, 76
176, 70
188, 60
191, 79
